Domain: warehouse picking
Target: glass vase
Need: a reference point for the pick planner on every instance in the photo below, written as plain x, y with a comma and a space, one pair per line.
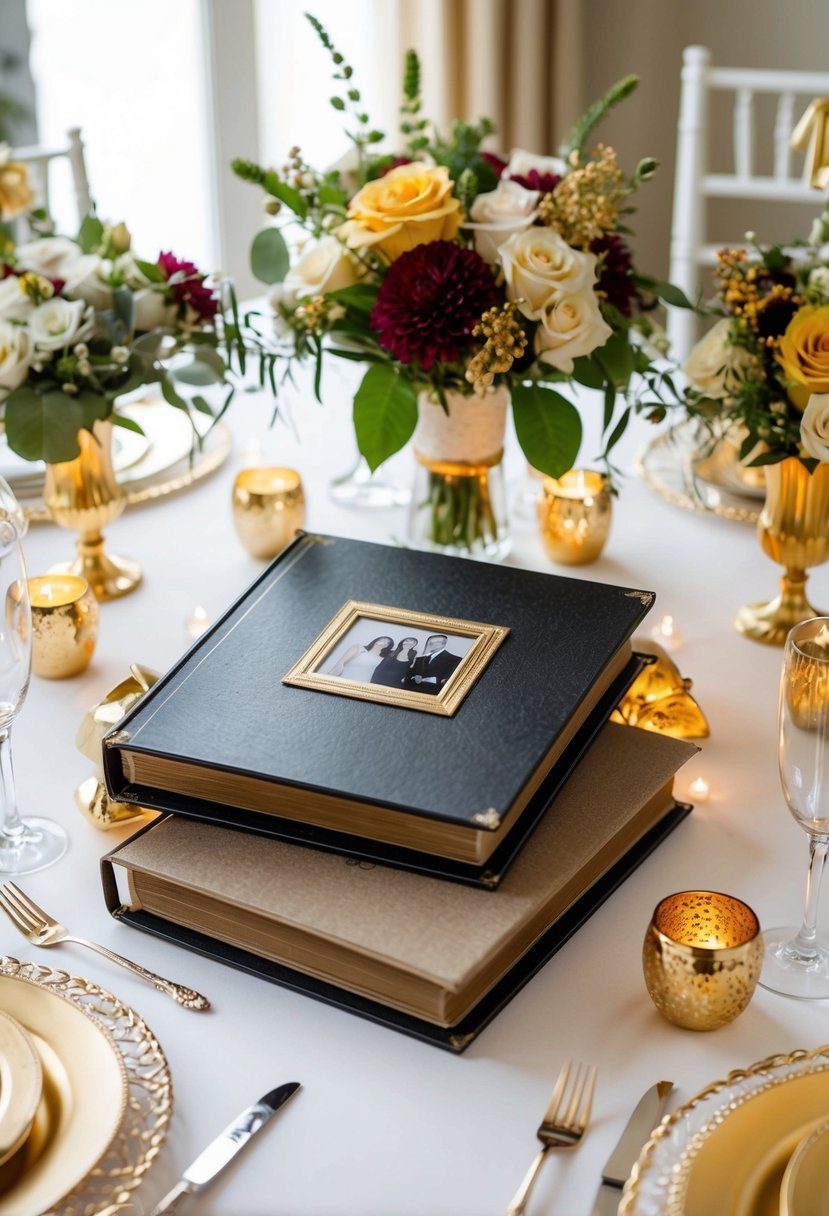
794, 531
458, 501
84, 496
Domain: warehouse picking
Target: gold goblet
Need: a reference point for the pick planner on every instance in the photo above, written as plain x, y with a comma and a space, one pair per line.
64, 625
268, 507
702, 956
574, 513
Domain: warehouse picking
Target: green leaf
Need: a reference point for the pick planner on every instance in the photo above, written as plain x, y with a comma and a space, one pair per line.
202, 406
385, 414
269, 257
151, 271
171, 396
618, 431
332, 195
127, 424
360, 297
44, 426
286, 194
599, 110
548, 427
91, 234
616, 360
587, 373
124, 305
672, 294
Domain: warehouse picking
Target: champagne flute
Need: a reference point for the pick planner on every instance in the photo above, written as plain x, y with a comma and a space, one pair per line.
797, 960
32, 843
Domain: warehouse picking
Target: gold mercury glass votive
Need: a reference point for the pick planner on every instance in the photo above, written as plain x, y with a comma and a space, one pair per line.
268, 507
702, 956
574, 513
64, 625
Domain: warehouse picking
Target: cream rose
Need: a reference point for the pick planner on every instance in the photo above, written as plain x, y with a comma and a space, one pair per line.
500, 214
538, 264
56, 323
412, 205
571, 325
15, 304
152, 309
85, 280
521, 163
715, 367
15, 355
51, 256
814, 427
323, 266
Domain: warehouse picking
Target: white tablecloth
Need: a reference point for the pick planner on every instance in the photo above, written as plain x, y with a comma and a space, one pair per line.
384, 1125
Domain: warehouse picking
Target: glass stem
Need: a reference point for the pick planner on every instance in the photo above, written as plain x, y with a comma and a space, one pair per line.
804, 943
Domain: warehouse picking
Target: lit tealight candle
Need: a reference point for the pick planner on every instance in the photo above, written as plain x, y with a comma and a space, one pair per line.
574, 513
667, 634
196, 622
700, 790
64, 625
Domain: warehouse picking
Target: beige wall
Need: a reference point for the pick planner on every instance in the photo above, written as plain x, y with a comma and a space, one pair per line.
647, 37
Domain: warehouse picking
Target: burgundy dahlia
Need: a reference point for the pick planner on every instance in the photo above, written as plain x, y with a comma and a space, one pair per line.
615, 269
496, 163
190, 290
429, 302
544, 182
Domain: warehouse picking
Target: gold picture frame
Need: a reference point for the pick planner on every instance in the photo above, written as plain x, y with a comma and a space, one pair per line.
443, 690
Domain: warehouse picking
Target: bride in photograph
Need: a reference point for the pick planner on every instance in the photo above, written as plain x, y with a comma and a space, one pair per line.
359, 662
393, 669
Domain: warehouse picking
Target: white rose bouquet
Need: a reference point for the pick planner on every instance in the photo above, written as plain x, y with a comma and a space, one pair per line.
451, 270
85, 321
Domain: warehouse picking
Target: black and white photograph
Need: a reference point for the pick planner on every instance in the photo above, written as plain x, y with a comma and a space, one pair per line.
397, 656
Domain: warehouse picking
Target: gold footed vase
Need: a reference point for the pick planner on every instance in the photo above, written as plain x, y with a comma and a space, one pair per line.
83, 496
794, 531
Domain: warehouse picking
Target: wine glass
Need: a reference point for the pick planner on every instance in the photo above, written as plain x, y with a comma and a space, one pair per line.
797, 960
32, 843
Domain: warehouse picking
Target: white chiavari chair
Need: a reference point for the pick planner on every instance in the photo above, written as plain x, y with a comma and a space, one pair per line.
40, 160
694, 184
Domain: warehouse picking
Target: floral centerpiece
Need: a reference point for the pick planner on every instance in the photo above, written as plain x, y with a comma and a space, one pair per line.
760, 375
466, 281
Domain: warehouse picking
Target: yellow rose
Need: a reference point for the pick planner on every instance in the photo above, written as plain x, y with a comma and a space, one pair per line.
410, 206
16, 195
804, 354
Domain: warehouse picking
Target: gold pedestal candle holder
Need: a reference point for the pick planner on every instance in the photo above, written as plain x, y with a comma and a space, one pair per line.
268, 508
794, 530
702, 957
83, 496
64, 625
574, 513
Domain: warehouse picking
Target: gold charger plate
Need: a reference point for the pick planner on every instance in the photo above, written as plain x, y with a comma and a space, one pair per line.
726, 1150
83, 1100
805, 1187
21, 1085
142, 1068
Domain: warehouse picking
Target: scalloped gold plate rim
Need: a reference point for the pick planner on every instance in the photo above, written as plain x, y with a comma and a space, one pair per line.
84, 1095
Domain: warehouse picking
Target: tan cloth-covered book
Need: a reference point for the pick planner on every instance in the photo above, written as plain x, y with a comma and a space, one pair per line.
420, 945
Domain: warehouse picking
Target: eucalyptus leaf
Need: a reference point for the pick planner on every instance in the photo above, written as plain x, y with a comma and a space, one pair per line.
548, 427
269, 257
44, 426
385, 414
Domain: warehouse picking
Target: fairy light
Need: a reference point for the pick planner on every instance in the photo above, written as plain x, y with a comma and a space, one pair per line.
667, 634
196, 622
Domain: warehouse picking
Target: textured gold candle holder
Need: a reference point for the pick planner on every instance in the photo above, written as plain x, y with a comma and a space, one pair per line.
574, 513
268, 507
702, 956
64, 625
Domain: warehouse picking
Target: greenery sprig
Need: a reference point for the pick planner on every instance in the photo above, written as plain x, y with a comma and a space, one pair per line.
350, 100
576, 141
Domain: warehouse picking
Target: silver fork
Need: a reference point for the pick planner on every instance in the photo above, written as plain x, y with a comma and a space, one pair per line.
42, 930
563, 1124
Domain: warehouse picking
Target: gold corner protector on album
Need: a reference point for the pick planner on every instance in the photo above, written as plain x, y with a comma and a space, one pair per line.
645, 598
489, 819
117, 738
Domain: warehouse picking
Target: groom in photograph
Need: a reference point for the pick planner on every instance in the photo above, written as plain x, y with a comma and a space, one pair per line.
432, 669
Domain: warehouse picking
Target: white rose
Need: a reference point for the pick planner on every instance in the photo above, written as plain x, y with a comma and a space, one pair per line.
715, 367
86, 280
521, 163
814, 427
571, 325
539, 263
15, 304
56, 323
15, 354
152, 310
819, 281
498, 214
324, 265
50, 256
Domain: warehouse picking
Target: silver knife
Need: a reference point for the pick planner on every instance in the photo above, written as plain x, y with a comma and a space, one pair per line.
225, 1147
621, 1161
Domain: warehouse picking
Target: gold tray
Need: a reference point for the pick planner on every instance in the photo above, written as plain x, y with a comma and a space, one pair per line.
142, 1126
679, 465
726, 1150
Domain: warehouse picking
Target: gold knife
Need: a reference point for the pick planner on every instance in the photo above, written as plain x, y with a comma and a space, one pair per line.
621, 1161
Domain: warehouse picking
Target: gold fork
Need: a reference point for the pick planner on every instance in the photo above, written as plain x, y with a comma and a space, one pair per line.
563, 1124
42, 930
